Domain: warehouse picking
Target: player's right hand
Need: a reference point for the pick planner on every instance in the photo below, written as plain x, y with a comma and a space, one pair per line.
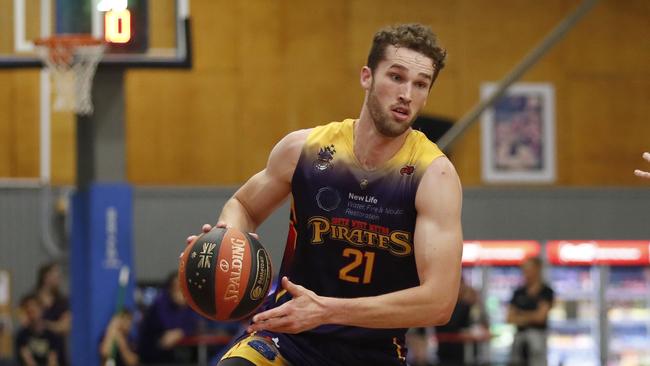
207, 227
225, 225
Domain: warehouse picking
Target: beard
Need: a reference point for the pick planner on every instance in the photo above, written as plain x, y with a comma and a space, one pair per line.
383, 120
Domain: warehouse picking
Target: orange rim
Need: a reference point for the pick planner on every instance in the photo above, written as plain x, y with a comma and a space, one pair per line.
62, 46
68, 40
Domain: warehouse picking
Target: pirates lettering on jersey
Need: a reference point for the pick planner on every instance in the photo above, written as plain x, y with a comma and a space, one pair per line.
360, 234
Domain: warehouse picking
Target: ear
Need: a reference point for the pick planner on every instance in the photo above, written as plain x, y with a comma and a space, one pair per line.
366, 78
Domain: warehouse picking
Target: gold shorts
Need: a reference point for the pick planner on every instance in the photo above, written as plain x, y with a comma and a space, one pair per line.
261, 351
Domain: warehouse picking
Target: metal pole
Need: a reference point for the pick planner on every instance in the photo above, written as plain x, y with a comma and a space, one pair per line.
447, 140
604, 332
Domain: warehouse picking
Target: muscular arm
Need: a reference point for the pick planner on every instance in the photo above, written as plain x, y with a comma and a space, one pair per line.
438, 251
266, 190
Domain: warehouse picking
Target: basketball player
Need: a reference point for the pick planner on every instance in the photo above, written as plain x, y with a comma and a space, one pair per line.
375, 238
641, 173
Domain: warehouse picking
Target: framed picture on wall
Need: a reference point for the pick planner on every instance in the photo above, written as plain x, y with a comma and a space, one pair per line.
518, 134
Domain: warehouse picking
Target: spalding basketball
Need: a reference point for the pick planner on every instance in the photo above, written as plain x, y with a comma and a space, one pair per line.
225, 274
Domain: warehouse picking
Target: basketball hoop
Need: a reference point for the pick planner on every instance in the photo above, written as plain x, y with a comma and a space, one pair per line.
72, 60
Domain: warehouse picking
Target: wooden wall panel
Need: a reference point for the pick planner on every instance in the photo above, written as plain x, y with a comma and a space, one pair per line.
608, 136
162, 24
7, 160
217, 31
260, 118
612, 40
603, 126
264, 68
26, 127
63, 148
19, 130
33, 17
181, 140
6, 26
320, 86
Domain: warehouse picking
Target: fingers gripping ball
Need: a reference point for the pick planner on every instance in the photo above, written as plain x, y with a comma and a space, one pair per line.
225, 274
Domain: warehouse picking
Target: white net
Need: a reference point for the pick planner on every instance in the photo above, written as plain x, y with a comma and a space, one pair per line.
72, 67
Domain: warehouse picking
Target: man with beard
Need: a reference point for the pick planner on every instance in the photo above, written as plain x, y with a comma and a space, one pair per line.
375, 237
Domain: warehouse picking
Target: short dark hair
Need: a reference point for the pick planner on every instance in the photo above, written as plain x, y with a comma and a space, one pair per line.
537, 261
43, 271
416, 37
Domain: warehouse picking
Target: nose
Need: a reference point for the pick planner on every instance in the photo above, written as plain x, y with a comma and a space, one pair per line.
405, 93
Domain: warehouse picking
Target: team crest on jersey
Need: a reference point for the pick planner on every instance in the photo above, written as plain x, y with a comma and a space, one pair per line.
407, 170
325, 157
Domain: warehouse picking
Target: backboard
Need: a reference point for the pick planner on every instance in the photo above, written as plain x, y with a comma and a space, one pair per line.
138, 33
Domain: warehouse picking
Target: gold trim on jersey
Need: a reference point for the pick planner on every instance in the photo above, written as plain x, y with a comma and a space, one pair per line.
280, 294
398, 349
418, 151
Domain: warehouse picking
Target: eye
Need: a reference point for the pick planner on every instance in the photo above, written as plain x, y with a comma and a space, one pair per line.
395, 77
422, 85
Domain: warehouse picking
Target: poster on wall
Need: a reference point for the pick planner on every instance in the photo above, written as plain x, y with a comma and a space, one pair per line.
518, 134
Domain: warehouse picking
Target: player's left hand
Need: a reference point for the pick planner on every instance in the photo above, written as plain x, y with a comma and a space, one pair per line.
304, 311
642, 173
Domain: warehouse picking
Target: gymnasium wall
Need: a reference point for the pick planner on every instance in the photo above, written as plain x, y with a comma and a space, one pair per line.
21, 238
264, 68
164, 217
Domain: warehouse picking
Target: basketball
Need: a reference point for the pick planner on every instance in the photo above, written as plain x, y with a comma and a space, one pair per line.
225, 274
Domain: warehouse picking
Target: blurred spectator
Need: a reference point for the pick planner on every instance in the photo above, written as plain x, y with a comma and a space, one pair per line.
467, 325
529, 310
164, 324
56, 307
643, 173
35, 343
417, 342
117, 344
